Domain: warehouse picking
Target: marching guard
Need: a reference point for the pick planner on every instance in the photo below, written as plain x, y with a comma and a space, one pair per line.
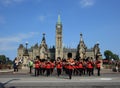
98, 67
37, 66
89, 66
48, 68
80, 68
59, 66
70, 62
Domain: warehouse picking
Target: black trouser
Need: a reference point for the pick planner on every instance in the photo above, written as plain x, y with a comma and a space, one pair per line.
98, 71
70, 73
89, 71
66, 71
84, 71
30, 69
92, 72
36, 71
40, 71
16, 68
80, 71
52, 70
63, 69
43, 71
76, 70
58, 72
48, 72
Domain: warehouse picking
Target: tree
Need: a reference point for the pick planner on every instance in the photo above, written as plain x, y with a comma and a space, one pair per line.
115, 57
5, 60
108, 54
2, 59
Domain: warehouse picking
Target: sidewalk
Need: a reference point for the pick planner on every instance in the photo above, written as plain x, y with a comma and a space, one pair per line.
6, 70
26, 71
20, 71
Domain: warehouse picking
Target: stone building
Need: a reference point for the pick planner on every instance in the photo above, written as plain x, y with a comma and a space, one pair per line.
58, 50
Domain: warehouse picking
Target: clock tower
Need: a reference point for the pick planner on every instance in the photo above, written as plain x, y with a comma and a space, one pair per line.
59, 48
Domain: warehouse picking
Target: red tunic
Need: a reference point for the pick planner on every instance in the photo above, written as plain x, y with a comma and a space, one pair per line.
48, 65
36, 64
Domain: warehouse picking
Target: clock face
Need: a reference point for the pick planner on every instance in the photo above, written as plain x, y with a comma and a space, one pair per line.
58, 26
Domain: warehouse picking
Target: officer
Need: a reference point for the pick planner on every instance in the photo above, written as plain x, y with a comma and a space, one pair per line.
98, 66
84, 66
52, 66
89, 65
37, 66
48, 68
59, 66
80, 68
93, 64
70, 62
43, 66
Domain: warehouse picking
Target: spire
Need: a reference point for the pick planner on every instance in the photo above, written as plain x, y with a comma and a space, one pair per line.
59, 19
43, 39
81, 39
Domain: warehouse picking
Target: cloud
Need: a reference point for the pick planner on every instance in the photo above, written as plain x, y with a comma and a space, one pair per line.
87, 3
10, 43
9, 2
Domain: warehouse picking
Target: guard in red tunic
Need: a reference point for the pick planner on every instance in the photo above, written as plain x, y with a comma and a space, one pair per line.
98, 67
43, 67
76, 68
84, 66
48, 68
52, 66
80, 65
59, 67
89, 66
93, 65
37, 66
70, 62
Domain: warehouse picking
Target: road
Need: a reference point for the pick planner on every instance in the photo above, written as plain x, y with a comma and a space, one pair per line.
25, 80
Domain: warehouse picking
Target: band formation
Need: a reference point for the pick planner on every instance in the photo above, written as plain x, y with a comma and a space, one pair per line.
67, 66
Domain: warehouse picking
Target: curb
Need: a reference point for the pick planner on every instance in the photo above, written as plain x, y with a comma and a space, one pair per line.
4, 71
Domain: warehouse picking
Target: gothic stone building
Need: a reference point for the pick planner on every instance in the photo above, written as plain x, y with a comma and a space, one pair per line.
58, 50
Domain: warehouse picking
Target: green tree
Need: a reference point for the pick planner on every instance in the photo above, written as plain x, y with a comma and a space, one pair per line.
115, 57
5, 60
108, 54
2, 59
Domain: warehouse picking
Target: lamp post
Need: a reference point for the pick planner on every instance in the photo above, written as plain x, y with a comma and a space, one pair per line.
26, 49
26, 45
25, 56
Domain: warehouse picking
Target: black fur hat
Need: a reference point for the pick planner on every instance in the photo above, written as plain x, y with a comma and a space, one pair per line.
69, 55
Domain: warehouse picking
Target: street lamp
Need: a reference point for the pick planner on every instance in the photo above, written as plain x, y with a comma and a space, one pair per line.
26, 50
26, 45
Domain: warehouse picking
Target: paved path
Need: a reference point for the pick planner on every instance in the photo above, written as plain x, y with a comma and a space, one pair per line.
55, 82
108, 79
27, 71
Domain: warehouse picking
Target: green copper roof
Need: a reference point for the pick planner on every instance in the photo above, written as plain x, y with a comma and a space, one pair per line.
59, 20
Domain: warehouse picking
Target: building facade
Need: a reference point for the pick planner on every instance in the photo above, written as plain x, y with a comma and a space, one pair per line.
42, 50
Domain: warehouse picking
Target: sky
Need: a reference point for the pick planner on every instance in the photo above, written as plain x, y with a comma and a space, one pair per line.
24, 21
